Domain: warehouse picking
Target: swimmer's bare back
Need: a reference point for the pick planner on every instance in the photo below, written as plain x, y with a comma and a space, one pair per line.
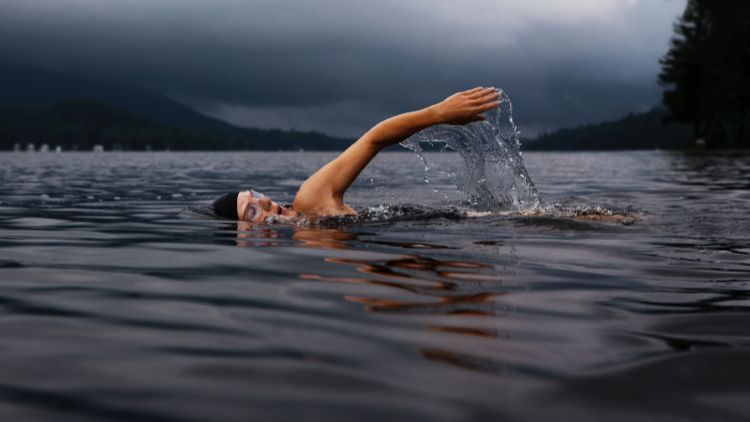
322, 194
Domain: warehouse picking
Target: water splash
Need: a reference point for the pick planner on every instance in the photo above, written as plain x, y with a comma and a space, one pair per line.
492, 174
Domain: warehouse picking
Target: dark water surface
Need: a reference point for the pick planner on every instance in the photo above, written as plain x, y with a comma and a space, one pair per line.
117, 304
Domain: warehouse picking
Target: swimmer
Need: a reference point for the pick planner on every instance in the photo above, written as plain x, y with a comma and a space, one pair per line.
322, 194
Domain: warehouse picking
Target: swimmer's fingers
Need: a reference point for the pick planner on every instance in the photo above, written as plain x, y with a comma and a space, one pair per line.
462, 108
487, 98
487, 106
484, 92
473, 90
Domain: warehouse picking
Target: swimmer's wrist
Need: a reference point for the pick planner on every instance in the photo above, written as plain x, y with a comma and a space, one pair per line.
433, 116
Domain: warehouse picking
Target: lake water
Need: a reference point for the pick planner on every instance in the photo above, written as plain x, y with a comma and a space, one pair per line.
119, 303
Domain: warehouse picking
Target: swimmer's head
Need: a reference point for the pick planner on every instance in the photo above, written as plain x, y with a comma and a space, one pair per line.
250, 206
226, 205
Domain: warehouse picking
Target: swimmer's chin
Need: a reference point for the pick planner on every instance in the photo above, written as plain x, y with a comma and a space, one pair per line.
288, 212
284, 212
282, 219
286, 216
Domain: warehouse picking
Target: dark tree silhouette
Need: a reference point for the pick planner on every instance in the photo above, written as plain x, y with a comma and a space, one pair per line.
707, 71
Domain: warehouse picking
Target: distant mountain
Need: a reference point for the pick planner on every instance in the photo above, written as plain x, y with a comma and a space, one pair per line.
58, 109
36, 88
82, 125
635, 131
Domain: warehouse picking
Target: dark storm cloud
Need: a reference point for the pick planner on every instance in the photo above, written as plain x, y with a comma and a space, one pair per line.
339, 66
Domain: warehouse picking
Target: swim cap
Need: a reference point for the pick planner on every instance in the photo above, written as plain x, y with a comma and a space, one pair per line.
226, 205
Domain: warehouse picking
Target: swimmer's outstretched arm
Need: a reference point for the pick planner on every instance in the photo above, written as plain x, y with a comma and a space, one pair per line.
323, 192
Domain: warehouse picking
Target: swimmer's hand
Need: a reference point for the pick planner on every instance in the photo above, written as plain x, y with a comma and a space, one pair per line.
467, 106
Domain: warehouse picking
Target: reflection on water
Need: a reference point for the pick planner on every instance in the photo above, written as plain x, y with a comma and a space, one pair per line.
727, 170
249, 235
435, 287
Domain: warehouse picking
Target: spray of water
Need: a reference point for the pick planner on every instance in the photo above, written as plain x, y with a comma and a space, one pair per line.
492, 174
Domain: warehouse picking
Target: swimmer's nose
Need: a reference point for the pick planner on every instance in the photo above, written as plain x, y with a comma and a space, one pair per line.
265, 204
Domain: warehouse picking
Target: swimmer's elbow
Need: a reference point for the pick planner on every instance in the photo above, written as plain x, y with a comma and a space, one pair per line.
382, 136
373, 140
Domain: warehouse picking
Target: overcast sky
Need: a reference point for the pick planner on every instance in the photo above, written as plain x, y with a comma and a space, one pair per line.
340, 66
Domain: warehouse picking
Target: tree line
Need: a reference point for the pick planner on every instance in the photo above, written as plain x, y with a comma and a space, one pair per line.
706, 72
634, 131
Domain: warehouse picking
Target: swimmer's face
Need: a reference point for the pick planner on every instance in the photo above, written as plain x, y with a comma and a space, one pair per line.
254, 207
